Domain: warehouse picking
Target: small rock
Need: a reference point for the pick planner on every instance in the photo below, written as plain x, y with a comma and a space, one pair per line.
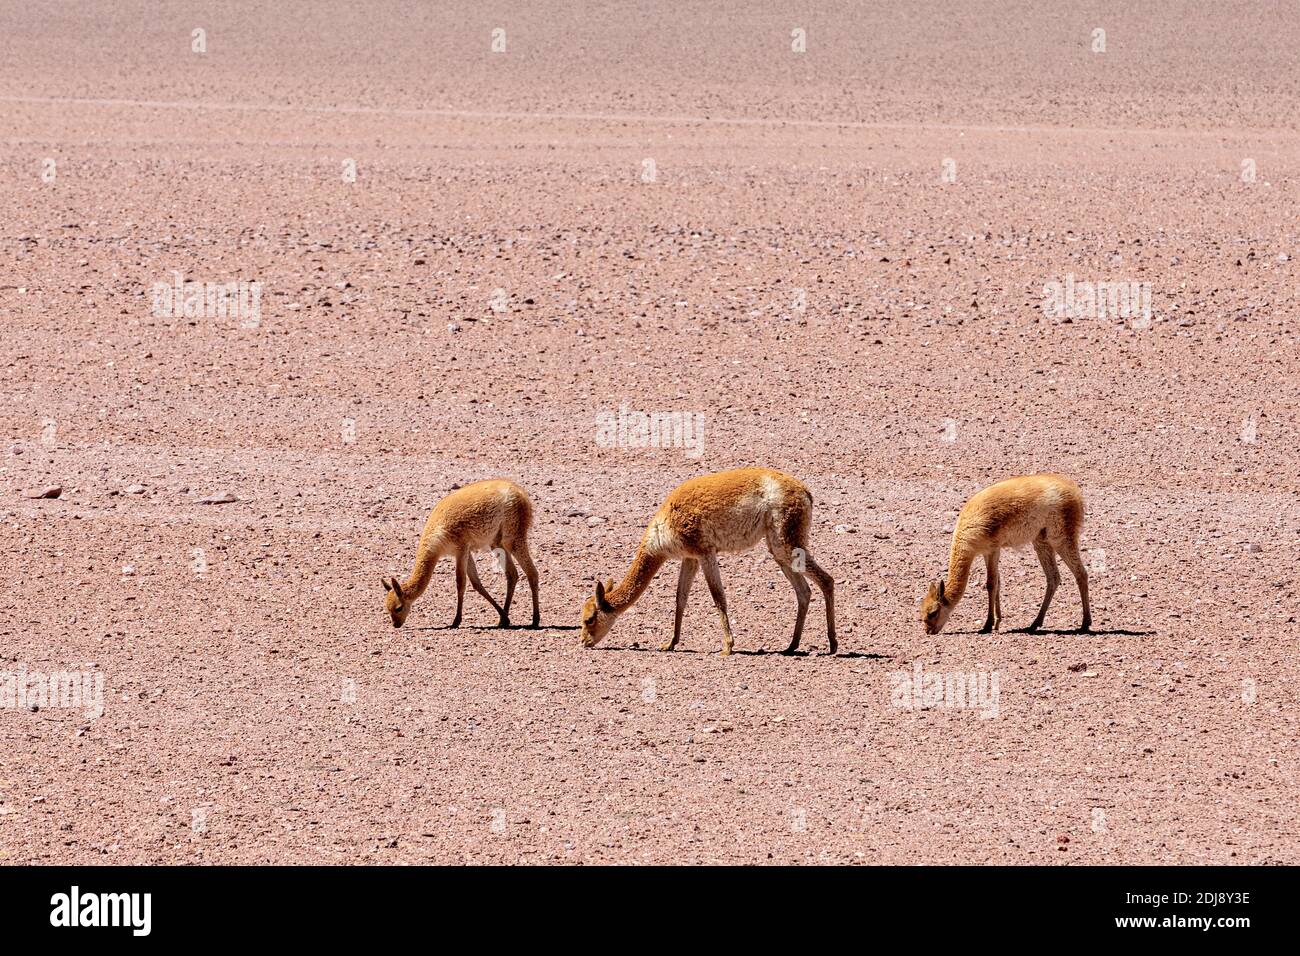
128, 570
49, 491
16, 449
225, 498
845, 529
1078, 667
453, 326
135, 490
1254, 548
594, 520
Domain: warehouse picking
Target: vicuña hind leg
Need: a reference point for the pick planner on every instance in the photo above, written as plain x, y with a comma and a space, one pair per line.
684, 579
827, 585
1069, 552
713, 575
520, 551
801, 593
502, 554
1047, 558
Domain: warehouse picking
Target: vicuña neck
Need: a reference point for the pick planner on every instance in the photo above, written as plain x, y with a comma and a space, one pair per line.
638, 578
959, 564
425, 561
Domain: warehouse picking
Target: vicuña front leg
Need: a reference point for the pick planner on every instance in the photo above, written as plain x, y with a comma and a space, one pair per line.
992, 583
684, 579
460, 588
478, 586
713, 575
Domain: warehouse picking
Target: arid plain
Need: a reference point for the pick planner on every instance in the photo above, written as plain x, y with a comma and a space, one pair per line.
837, 257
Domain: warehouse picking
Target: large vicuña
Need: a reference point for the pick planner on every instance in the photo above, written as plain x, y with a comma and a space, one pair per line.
726, 511
1045, 511
487, 514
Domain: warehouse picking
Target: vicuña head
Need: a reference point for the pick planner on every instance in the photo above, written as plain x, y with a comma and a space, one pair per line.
934, 609
727, 511
492, 514
598, 615
395, 603
1045, 511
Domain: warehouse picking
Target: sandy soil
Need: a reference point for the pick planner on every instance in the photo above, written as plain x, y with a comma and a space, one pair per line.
796, 270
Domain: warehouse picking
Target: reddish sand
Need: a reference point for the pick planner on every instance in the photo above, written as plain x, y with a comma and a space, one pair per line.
797, 272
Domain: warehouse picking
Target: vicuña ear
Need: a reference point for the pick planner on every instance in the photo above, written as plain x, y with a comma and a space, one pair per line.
941, 589
601, 603
387, 586
398, 588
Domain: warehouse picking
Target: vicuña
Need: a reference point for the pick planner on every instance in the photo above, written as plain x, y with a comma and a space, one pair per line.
1045, 511
492, 514
727, 511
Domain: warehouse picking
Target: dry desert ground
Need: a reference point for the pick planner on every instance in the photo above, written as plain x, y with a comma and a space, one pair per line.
828, 249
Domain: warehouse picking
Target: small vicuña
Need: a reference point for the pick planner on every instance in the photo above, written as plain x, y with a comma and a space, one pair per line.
727, 511
492, 514
1045, 511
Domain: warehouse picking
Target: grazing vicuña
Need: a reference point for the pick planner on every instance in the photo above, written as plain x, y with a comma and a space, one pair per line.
492, 514
1043, 510
727, 511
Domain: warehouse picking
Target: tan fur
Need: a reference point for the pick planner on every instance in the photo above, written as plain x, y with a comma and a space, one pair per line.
485, 515
703, 517
1042, 511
